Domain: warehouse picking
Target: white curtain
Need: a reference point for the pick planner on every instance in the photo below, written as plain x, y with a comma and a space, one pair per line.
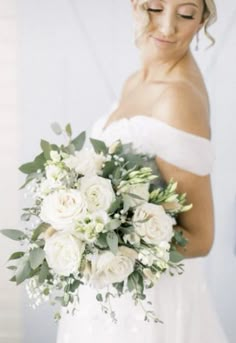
10, 296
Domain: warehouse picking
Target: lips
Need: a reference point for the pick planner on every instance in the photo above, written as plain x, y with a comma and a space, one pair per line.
163, 40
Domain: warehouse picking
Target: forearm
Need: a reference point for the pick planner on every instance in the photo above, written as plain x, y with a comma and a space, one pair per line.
195, 247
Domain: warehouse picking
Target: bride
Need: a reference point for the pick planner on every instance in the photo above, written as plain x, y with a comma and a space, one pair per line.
164, 109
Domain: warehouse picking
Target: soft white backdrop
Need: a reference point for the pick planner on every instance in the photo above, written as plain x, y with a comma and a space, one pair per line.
74, 57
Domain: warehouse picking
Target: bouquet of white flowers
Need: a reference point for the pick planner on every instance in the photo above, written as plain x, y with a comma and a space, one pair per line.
98, 218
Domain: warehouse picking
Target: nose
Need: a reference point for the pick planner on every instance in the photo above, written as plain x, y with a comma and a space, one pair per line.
167, 25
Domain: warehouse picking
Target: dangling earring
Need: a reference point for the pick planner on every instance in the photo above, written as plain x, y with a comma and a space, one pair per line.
197, 41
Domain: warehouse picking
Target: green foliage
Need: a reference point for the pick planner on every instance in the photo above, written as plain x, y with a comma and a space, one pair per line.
112, 241
33, 167
40, 229
68, 130
43, 273
56, 128
46, 147
135, 282
176, 256
16, 235
99, 297
99, 146
23, 272
101, 241
16, 255
36, 257
79, 141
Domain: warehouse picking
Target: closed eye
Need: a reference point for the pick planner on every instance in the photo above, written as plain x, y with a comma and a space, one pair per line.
190, 17
153, 10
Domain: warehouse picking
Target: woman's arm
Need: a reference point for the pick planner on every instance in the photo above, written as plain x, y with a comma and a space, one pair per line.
182, 108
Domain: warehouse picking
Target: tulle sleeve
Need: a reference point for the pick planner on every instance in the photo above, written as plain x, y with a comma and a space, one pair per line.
185, 150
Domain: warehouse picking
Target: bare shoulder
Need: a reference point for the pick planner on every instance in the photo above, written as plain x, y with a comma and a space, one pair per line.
183, 106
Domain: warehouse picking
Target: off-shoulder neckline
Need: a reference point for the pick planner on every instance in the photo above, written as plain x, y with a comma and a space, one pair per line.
151, 119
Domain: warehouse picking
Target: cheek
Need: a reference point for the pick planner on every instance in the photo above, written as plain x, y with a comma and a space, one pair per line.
189, 32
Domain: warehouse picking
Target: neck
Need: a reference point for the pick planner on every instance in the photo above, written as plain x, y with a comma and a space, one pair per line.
161, 69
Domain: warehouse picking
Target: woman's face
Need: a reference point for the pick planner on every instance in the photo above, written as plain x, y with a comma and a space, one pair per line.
173, 24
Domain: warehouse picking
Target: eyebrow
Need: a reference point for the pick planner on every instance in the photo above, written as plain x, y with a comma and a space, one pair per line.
185, 3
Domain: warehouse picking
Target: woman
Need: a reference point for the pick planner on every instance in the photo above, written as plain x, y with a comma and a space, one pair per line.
164, 110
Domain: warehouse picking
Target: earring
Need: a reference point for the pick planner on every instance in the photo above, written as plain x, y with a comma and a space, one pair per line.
197, 41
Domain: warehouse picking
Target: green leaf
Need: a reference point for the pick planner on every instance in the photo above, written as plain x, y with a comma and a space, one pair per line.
25, 217
68, 130
16, 255
115, 205
131, 283
40, 229
33, 167
36, 257
23, 272
119, 286
74, 286
112, 241
46, 147
79, 141
175, 256
112, 225
101, 242
99, 297
16, 235
135, 282
12, 267
44, 272
108, 168
56, 128
99, 146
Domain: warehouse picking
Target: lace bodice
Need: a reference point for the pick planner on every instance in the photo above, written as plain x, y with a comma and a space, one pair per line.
156, 138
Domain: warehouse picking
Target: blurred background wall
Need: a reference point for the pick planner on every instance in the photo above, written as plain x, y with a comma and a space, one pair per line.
73, 58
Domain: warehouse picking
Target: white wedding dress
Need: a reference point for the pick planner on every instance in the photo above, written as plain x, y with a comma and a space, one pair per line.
181, 302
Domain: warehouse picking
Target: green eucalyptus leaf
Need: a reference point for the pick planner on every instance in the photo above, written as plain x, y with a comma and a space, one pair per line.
56, 128
99, 297
16, 235
108, 168
99, 146
112, 241
23, 272
16, 255
79, 141
101, 242
115, 205
44, 272
112, 225
176, 256
36, 257
40, 229
33, 167
68, 130
46, 147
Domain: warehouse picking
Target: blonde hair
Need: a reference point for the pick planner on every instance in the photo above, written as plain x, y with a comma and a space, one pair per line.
209, 18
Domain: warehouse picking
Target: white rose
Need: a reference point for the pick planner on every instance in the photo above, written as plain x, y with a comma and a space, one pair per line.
62, 208
141, 190
63, 253
85, 162
152, 223
108, 268
98, 192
